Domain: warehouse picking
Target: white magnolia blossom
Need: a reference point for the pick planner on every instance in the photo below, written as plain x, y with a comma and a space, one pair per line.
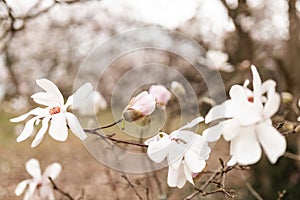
91, 105
161, 94
56, 113
140, 106
249, 126
186, 153
38, 187
218, 61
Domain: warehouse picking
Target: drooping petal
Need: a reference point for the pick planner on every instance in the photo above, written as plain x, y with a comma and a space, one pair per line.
52, 171
194, 162
273, 143
176, 177
80, 94
245, 147
272, 104
230, 129
21, 187
192, 123
33, 168
75, 126
158, 150
51, 88
219, 111
40, 135
36, 111
213, 133
58, 127
188, 173
27, 131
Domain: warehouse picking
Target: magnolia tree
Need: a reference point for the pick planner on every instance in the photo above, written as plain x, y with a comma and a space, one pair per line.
244, 120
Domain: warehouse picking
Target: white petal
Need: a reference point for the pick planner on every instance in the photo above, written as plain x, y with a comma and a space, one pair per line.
273, 143
46, 192
52, 171
232, 161
272, 104
193, 123
21, 187
27, 131
36, 111
33, 168
51, 88
46, 99
32, 188
158, 151
188, 173
213, 133
245, 147
28, 196
80, 94
257, 87
176, 177
267, 86
58, 128
194, 162
75, 126
156, 138
219, 111
238, 94
40, 135
230, 129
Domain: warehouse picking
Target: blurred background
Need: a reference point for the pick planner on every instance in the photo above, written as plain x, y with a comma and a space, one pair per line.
51, 38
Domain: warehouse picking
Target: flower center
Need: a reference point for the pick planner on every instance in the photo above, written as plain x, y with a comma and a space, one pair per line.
250, 99
54, 110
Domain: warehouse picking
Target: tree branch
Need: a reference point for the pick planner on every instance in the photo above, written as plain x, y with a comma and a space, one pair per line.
55, 187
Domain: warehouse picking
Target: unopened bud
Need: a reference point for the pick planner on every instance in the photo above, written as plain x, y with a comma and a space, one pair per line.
132, 115
286, 97
288, 126
297, 129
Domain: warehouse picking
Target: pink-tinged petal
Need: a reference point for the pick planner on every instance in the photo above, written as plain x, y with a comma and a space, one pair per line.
194, 162
213, 133
230, 129
33, 168
161, 94
257, 86
75, 126
144, 102
272, 104
81, 93
58, 128
219, 111
51, 88
245, 147
188, 173
36, 111
176, 177
192, 123
52, 171
158, 151
27, 131
40, 135
273, 143
21, 187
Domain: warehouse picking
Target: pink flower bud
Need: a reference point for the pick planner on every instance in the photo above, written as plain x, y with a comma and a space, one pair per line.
139, 107
161, 94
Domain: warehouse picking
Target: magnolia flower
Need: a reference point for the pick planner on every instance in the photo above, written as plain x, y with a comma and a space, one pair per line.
38, 188
91, 105
56, 113
161, 94
140, 106
249, 126
185, 151
218, 61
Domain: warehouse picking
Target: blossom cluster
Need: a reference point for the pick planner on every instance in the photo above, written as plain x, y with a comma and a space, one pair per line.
244, 120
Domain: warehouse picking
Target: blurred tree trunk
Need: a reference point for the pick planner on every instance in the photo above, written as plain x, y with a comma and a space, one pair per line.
292, 57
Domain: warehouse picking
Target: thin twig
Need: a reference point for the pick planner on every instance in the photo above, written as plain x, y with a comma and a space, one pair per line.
104, 127
131, 185
55, 187
253, 191
291, 156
